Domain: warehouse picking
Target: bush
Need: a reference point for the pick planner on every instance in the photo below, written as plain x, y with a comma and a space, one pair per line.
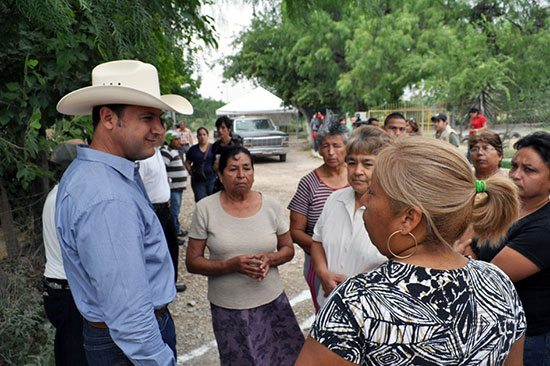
26, 336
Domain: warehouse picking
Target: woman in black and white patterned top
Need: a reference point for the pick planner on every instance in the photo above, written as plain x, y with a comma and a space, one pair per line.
427, 305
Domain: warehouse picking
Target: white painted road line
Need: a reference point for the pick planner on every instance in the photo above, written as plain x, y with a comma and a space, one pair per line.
306, 324
302, 296
196, 352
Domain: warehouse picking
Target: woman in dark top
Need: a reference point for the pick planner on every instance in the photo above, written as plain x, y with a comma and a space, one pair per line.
198, 162
224, 126
524, 255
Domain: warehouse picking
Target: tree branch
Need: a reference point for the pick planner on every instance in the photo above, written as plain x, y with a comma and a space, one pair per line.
12, 144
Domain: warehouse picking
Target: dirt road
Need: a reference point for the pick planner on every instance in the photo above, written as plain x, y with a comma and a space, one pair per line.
191, 309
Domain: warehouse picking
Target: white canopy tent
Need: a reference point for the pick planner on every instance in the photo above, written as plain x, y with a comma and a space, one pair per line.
259, 102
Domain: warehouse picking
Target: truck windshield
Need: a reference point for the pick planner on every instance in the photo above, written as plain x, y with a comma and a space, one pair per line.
254, 125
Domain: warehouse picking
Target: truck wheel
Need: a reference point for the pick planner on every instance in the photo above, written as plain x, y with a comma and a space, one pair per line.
282, 157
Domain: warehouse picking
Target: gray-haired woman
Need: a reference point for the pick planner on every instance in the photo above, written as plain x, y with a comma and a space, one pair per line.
313, 190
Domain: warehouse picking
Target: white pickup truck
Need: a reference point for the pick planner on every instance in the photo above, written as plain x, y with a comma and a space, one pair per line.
261, 137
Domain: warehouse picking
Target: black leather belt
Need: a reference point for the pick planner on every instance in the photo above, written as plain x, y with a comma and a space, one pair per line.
56, 283
158, 206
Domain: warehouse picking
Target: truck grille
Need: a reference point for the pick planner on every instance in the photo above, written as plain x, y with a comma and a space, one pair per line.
266, 141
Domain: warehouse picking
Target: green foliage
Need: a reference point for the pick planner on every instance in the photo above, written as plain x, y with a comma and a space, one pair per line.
378, 58
26, 338
299, 62
204, 113
49, 49
350, 54
506, 164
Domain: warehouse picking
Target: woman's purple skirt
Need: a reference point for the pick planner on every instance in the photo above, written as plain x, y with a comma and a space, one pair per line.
266, 335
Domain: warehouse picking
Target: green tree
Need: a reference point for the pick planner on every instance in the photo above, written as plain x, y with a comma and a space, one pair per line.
50, 48
378, 55
347, 55
298, 61
204, 113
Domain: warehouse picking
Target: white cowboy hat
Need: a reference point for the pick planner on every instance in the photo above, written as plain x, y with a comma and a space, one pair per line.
122, 82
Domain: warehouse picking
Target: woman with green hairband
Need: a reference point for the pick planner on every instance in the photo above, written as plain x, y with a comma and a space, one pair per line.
427, 305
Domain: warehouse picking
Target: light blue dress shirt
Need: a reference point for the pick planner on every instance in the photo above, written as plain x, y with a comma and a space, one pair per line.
115, 253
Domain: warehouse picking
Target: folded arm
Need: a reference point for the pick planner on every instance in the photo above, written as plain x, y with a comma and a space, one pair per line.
514, 264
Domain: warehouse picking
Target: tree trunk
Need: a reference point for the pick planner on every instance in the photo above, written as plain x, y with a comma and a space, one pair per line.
308, 126
40, 189
7, 226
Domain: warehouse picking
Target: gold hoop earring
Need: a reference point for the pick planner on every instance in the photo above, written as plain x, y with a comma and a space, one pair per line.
399, 256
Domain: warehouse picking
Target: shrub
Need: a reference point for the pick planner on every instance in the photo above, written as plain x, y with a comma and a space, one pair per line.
26, 336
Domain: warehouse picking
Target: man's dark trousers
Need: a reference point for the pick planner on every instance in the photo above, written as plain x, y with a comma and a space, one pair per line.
168, 225
67, 320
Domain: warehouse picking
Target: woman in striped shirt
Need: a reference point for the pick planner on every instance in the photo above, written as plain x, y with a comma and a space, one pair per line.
313, 190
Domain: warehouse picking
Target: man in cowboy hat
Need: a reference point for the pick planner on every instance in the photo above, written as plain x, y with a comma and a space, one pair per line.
114, 250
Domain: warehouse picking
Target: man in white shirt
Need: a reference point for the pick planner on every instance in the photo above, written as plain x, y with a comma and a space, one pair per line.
155, 179
58, 300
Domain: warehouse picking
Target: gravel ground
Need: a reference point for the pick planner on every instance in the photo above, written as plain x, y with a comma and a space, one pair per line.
191, 309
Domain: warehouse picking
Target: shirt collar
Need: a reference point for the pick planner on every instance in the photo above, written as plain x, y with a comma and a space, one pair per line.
347, 194
122, 165
347, 198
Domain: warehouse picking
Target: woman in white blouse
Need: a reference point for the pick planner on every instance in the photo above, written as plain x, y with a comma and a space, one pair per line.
341, 245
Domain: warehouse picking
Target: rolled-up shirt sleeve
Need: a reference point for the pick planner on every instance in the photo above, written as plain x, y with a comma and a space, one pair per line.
112, 249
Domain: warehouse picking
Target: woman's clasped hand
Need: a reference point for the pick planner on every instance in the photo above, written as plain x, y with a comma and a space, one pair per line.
254, 266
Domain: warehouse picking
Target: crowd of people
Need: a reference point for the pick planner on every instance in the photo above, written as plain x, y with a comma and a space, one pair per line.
413, 256
443, 131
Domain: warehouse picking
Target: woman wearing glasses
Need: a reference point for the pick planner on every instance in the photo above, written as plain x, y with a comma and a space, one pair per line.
486, 153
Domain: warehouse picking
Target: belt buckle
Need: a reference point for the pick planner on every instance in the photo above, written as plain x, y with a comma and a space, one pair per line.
56, 286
